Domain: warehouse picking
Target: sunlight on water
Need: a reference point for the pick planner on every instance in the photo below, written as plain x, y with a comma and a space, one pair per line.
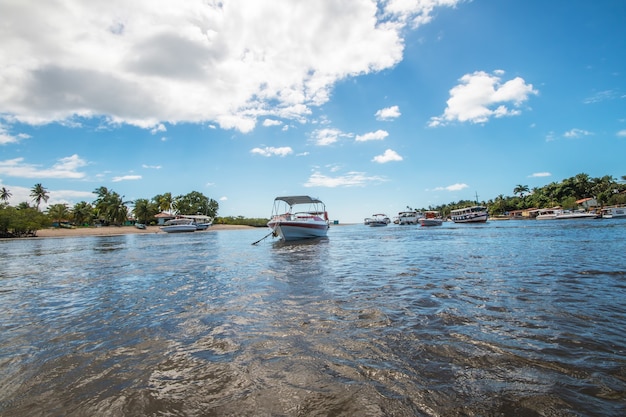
507, 318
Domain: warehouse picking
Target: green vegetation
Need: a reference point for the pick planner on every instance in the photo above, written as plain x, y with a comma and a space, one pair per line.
606, 190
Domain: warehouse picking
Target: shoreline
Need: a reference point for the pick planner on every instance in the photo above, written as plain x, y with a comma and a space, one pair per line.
116, 231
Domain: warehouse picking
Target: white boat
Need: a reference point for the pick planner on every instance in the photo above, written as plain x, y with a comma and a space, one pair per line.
548, 214
202, 222
431, 218
409, 217
576, 214
474, 214
178, 226
298, 217
613, 212
378, 220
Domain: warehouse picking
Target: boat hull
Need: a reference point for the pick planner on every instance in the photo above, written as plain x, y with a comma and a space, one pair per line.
478, 218
181, 228
292, 230
430, 222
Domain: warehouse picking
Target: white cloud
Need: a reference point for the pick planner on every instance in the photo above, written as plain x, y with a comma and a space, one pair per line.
540, 175
224, 198
453, 187
126, 178
576, 133
622, 133
481, 96
378, 135
351, 179
271, 122
147, 62
271, 151
151, 166
388, 113
69, 197
328, 136
388, 156
6, 137
65, 168
159, 128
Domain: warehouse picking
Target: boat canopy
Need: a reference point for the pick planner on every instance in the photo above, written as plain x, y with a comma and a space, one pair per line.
298, 199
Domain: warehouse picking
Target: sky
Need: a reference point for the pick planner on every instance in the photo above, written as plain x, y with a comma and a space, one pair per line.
371, 106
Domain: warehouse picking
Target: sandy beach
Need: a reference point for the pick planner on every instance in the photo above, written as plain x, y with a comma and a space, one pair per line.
121, 230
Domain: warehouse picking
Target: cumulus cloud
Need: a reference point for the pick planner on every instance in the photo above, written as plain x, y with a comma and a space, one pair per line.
388, 156
622, 133
271, 151
327, 136
149, 62
6, 137
576, 133
350, 179
540, 175
453, 187
378, 135
388, 113
64, 168
151, 166
271, 122
126, 178
481, 96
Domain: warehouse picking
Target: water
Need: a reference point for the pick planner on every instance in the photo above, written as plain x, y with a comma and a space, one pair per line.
510, 318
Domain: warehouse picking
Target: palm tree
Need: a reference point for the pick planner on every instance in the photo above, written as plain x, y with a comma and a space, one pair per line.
521, 190
58, 213
82, 213
5, 195
39, 193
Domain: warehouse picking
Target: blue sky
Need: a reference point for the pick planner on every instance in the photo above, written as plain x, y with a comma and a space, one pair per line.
370, 106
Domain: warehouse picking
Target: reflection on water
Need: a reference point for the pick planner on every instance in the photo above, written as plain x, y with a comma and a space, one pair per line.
507, 318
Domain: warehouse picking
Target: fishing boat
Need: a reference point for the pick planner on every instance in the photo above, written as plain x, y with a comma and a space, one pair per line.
613, 212
379, 220
431, 218
474, 214
179, 225
298, 217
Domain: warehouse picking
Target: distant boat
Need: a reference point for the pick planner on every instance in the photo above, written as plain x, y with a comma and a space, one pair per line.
474, 214
378, 220
548, 214
613, 212
298, 217
202, 222
140, 226
431, 218
409, 217
180, 225
576, 214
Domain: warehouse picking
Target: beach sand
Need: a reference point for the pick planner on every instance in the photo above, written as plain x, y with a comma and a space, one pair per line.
121, 230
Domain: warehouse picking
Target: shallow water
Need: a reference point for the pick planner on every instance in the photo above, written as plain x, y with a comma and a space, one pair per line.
509, 318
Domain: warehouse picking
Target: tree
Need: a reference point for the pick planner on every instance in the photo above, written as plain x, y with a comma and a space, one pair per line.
110, 207
39, 193
5, 195
196, 203
145, 210
82, 213
521, 190
164, 201
58, 213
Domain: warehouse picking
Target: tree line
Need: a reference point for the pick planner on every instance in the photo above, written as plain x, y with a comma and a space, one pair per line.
606, 190
108, 208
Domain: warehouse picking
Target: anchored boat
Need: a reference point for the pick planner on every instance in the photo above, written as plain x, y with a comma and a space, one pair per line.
298, 217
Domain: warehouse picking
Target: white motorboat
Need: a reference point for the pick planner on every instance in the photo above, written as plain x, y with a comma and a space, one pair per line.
202, 222
431, 218
409, 217
548, 214
474, 214
379, 220
576, 214
178, 226
298, 217
613, 212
